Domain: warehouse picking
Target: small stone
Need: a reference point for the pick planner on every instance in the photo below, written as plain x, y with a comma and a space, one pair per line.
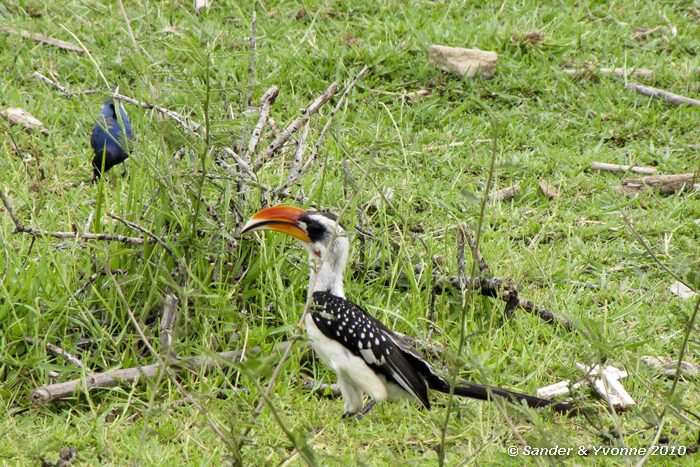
464, 62
682, 290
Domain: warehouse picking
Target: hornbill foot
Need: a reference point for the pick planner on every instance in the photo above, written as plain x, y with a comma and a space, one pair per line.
365, 410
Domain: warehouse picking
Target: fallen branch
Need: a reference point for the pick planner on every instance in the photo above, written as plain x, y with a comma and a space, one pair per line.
188, 124
112, 378
656, 93
605, 167
58, 351
643, 73
168, 320
44, 39
21, 228
296, 124
322, 389
266, 104
666, 184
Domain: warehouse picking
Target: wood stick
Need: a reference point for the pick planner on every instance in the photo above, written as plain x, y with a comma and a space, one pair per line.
296, 124
168, 321
666, 184
605, 167
112, 378
191, 126
656, 93
251, 66
505, 194
498, 288
58, 351
644, 73
266, 104
335, 110
44, 40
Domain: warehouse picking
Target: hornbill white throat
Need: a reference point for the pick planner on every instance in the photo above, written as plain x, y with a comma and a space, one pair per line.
367, 357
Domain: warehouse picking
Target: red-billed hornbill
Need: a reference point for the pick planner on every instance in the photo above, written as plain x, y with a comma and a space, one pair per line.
367, 357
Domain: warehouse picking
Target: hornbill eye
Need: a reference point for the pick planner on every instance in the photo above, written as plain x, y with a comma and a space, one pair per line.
315, 231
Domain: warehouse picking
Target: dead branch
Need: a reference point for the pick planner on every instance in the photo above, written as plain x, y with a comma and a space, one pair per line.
335, 110
322, 389
656, 93
498, 288
505, 194
603, 166
112, 378
58, 351
168, 321
152, 236
44, 39
295, 171
188, 124
251, 67
296, 124
128, 25
265, 105
481, 263
643, 73
666, 184
548, 190
90, 280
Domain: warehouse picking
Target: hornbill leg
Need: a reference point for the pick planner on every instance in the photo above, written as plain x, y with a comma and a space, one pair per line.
365, 410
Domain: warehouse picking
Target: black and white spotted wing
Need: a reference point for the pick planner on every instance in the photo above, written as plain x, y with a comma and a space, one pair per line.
366, 337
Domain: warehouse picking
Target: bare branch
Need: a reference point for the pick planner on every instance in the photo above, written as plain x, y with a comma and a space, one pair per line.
112, 378
58, 351
128, 25
44, 40
168, 320
483, 267
666, 184
265, 105
251, 67
188, 124
11, 212
153, 237
605, 167
296, 124
295, 170
656, 93
335, 110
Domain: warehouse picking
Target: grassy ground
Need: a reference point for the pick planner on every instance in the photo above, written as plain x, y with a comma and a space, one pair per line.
249, 292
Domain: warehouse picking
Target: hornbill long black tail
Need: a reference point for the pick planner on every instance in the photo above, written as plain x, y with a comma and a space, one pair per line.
367, 357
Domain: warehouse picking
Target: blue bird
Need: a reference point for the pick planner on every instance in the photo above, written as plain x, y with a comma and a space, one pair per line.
110, 137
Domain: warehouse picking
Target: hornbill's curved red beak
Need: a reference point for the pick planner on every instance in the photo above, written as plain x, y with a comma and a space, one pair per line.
283, 219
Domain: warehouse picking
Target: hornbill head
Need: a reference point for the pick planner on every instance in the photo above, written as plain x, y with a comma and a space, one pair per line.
317, 231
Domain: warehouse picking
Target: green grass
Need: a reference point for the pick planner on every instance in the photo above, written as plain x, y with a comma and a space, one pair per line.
550, 127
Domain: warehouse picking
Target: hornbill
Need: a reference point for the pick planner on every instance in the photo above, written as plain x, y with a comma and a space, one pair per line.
367, 357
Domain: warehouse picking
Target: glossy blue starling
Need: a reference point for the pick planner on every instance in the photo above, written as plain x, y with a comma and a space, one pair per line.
110, 137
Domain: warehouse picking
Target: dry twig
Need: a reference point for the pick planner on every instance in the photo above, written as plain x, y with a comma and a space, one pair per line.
605, 167
666, 184
296, 124
58, 351
656, 93
168, 321
45, 40
112, 378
